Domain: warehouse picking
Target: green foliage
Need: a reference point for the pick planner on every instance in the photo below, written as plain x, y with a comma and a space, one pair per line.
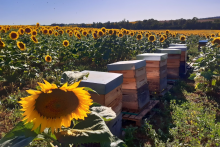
92, 130
21, 135
192, 76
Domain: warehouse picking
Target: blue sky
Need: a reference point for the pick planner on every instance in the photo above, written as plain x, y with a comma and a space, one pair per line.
46, 12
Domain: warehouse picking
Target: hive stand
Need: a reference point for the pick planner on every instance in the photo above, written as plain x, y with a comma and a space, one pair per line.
137, 117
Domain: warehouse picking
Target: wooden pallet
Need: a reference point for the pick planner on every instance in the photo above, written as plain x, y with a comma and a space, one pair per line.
138, 117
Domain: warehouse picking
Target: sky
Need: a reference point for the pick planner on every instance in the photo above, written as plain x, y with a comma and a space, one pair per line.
46, 12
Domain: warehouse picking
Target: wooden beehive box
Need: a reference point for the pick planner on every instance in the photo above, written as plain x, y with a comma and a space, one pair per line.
134, 73
156, 70
108, 86
134, 87
173, 62
183, 59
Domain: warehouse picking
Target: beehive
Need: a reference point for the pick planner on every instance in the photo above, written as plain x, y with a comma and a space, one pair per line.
172, 45
134, 87
173, 62
108, 86
156, 70
183, 58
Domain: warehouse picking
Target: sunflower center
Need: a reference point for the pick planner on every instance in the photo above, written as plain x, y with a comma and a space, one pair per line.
65, 43
95, 35
27, 30
151, 38
13, 35
56, 104
21, 45
48, 58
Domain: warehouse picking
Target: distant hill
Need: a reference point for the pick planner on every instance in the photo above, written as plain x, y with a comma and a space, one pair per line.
199, 20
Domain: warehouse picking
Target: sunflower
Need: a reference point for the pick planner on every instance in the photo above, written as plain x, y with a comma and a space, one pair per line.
216, 40
33, 38
120, 34
2, 44
37, 24
128, 32
124, 31
165, 36
84, 33
8, 28
66, 43
207, 36
34, 33
167, 31
111, 32
139, 37
212, 35
50, 31
45, 31
182, 38
95, 35
53, 107
57, 27
56, 34
103, 29
48, 58
173, 35
28, 30
21, 46
162, 39
78, 36
147, 35
100, 33
1, 27
68, 30
14, 35
115, 32
132, 34
151, 38
60, 32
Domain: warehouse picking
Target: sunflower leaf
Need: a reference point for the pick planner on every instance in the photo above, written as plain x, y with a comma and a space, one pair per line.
105, 113
89, 89
20, 135
92, 130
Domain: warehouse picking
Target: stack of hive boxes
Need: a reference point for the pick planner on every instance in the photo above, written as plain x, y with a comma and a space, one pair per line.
173, 62
134, 87
183, 58
174, 45
108, 86
156, 70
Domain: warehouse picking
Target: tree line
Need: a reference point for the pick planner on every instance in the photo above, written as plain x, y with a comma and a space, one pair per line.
152, 24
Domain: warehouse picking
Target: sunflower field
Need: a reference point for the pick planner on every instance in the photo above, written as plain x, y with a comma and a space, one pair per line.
31, 55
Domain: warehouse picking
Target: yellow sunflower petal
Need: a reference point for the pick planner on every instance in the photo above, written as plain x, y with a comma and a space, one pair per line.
33, 92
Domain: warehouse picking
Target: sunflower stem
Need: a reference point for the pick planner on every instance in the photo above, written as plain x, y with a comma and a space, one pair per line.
55, 141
